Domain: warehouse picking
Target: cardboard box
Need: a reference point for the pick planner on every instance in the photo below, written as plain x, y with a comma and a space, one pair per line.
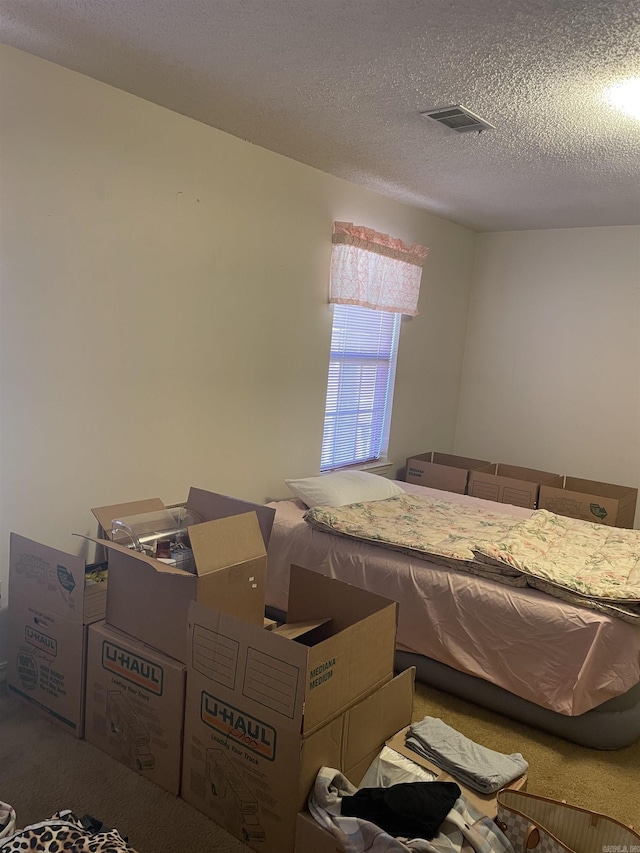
135, 705
239, 800
603, 503
264, 712
50, 603
46, 663
149, 600
443, 471
510, 484
313, 838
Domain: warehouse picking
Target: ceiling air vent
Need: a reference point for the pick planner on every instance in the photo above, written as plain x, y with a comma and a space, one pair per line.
457, 118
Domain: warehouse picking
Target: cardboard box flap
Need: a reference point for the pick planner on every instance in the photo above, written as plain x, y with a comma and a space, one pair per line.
607, 490
106, 514
457, 461
226, 542
293, 630
369, 723
530, 475
46, 577
211, 506
312, 596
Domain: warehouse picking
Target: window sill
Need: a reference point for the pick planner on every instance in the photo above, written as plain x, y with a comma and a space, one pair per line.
379, 466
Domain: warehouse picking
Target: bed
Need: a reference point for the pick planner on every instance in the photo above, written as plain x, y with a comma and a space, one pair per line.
562, 667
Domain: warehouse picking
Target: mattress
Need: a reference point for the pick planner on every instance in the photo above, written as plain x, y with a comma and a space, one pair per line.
556, 655
613, 725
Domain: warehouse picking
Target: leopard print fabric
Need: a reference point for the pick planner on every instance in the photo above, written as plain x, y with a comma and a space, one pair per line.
64, 832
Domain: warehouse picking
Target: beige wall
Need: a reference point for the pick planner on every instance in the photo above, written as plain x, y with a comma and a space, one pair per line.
164, 317
551, 374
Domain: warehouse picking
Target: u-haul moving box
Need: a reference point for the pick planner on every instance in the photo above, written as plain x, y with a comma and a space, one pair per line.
150, 600
51, 601
265, 711
135, 705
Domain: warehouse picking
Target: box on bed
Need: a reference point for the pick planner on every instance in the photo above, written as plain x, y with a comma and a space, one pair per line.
603, 503
443, 471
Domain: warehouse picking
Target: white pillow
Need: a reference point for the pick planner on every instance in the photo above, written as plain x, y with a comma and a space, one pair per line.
343, 487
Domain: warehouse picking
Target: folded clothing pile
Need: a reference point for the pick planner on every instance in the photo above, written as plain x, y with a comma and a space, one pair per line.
476, 766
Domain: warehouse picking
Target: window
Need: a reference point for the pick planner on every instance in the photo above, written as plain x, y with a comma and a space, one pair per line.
364, 346
375, 279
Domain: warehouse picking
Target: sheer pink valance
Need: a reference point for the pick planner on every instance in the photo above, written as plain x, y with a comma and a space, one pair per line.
375, 270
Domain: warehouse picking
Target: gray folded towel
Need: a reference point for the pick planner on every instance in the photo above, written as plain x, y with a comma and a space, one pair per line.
476, 766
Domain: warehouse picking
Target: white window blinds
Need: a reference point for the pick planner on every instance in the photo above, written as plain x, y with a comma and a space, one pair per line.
364, 345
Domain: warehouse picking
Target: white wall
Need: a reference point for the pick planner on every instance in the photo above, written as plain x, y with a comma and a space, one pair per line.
551, 374
163, 308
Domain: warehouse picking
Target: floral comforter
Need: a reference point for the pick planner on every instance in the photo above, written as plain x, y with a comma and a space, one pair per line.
429, 528
580, 561
589, 564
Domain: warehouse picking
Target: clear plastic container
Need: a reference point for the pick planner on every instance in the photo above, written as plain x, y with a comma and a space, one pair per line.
158, 533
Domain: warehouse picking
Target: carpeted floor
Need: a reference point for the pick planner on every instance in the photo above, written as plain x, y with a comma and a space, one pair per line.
43, 769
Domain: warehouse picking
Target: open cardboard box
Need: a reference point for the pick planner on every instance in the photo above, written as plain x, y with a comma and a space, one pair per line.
265, 710
589, 500
149, 599
443, 471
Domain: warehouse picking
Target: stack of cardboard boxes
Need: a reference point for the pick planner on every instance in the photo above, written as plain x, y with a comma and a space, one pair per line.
175, 674
137, 659
112, 654
178, 675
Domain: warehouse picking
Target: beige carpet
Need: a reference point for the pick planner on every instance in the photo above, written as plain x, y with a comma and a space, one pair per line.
43, 769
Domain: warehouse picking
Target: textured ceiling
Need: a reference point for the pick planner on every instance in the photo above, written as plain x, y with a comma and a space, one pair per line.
339, 85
